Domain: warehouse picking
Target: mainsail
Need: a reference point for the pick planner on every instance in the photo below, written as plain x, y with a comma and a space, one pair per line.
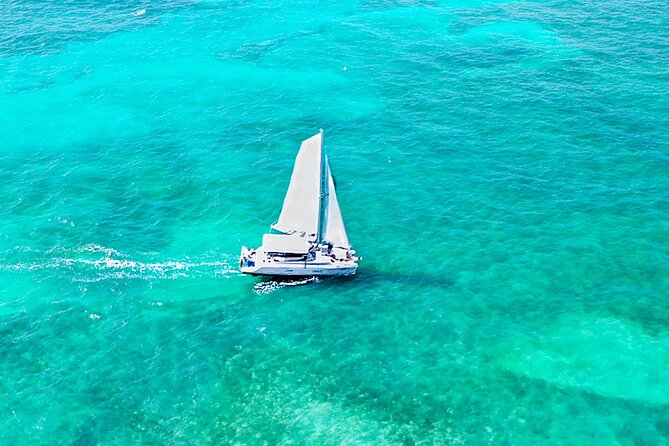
306, 209
301, 205
335, 232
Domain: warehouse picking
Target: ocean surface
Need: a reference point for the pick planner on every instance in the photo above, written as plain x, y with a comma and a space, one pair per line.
502, 167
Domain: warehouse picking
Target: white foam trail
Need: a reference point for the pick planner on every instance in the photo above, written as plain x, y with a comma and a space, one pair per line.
269, 286
115, 265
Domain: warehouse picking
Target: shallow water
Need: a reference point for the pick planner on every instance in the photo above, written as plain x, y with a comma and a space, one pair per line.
502, 167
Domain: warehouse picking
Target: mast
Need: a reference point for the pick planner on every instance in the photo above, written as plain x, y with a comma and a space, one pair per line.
322, 210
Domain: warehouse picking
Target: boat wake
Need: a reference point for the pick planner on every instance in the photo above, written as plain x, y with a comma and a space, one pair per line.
94, 263
268, 286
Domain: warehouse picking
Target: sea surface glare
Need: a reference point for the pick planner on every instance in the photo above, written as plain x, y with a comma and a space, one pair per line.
502, 167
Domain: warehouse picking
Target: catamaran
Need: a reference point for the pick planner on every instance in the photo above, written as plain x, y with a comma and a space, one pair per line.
309, 239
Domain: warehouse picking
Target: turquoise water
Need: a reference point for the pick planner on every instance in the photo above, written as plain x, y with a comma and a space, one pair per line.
502, 167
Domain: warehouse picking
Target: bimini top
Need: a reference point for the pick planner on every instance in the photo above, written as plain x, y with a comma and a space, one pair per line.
293, 244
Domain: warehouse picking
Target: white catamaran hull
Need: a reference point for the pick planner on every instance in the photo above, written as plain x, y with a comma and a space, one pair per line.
260, 263
298, 270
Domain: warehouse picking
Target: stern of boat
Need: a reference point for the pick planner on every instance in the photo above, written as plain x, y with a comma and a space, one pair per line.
247, 260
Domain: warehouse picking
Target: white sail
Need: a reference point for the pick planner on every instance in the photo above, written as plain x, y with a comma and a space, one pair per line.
301, 205
335, 232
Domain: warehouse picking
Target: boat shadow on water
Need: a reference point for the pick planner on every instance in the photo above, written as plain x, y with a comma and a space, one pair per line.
372, 278
364, 279
267, 284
